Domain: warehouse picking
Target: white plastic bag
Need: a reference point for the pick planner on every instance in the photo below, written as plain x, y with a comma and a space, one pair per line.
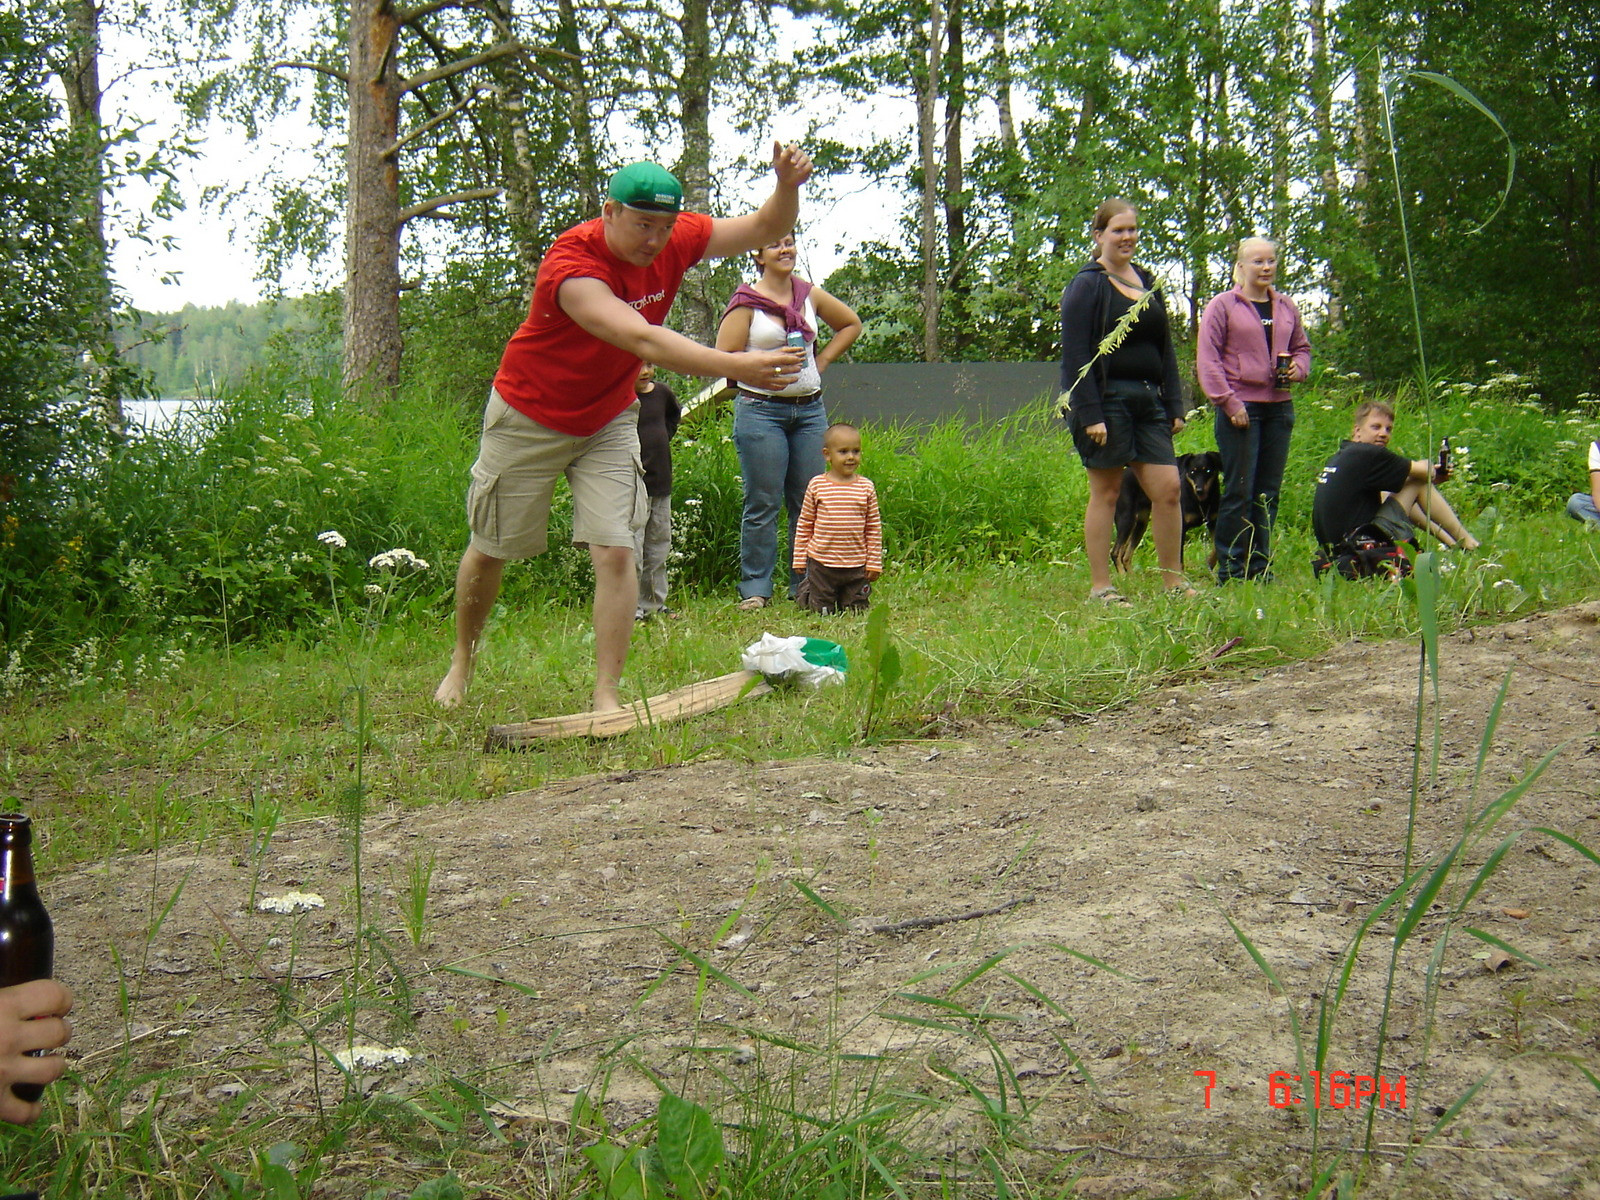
784, 658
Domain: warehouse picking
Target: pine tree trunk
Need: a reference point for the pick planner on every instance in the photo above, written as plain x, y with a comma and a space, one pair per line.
372, 210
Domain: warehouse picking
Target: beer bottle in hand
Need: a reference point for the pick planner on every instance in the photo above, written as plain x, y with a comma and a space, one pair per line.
27, 941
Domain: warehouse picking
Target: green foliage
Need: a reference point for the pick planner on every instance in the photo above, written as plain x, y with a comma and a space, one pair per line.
1526, 290
48, 288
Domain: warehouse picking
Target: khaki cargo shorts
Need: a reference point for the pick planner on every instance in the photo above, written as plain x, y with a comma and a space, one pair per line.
519, 461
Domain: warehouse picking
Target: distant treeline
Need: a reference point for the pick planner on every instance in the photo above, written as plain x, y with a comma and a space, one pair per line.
198, 350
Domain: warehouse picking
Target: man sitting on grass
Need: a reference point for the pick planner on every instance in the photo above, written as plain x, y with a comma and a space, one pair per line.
1367, 484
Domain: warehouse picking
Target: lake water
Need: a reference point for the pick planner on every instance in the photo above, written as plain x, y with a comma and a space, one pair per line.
160, 414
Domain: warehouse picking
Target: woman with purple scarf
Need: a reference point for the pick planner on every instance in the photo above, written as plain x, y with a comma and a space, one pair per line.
779, 433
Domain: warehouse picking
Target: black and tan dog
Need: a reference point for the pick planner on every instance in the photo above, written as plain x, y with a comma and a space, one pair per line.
1199, 492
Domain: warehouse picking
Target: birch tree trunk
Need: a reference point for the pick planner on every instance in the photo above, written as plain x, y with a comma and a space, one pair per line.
695, 306
586, 161
523, 194
81, 81
927, 94
1327, 163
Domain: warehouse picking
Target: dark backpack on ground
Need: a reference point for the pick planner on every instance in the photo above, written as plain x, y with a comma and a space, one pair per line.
1368, 552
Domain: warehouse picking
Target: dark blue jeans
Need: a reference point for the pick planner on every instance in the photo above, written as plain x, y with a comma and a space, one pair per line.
780, 449
1253, 459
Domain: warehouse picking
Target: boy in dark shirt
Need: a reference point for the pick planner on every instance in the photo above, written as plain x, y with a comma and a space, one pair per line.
652, 543
1366, 483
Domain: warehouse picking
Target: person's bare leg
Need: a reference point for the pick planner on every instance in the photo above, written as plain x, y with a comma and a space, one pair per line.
1160, 483
1437, 511
616, 598
1098, 517
477, 587
1430, 511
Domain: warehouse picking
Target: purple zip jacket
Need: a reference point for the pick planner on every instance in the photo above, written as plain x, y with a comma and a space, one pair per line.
1231, 353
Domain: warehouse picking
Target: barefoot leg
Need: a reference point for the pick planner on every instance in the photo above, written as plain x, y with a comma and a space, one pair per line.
477, 587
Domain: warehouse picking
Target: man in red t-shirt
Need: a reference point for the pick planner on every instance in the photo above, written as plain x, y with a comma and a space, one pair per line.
563, 400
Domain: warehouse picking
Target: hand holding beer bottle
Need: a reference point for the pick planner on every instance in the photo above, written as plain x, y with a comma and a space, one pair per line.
33, 1007
32, 1020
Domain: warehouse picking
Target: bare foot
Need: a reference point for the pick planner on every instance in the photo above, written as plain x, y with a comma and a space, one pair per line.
452, 690
606, 701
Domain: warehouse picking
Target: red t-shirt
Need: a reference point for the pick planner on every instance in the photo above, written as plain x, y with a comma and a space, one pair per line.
560, 374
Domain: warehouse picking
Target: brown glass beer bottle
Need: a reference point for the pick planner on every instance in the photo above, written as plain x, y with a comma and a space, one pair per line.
27, 939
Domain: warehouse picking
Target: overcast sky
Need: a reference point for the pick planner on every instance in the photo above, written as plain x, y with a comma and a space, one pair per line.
212, 259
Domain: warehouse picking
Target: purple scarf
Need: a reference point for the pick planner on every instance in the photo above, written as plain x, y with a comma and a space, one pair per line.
790, 314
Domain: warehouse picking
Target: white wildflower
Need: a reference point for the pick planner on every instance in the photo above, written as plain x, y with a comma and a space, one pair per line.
332, 537
393, 560
372, 1057
290, 902
373, 589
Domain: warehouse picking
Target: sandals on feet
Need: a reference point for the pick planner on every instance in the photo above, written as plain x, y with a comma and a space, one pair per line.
751, 603
1109, 595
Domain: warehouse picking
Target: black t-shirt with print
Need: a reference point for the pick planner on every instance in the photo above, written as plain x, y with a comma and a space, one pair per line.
1347, 489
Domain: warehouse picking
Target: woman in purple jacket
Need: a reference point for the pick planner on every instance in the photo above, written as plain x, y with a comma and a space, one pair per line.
1251, 347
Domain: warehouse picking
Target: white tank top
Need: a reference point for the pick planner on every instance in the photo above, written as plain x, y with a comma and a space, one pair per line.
766, 333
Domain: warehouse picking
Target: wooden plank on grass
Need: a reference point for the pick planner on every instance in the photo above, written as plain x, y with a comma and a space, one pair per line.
707, 695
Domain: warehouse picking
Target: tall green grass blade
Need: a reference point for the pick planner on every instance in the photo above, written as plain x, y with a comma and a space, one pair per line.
805, 890
1568, 841
982, 969
1090, 959
1506, 946
1295, 1034
1451, 86
827, 1137
1425, 897
526, 989
710, 969
1489, 728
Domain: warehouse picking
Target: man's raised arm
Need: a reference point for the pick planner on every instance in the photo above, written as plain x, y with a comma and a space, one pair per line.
736, 235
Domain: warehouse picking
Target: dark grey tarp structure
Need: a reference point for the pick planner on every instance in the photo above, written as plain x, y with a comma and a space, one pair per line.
927, 393
914, 394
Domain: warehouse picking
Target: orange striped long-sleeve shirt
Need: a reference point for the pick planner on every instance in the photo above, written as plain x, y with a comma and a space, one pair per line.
839, 524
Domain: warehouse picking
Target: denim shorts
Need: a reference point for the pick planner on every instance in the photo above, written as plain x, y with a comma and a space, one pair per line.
1138, 428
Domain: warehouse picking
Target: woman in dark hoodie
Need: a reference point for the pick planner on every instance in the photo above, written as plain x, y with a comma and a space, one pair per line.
1126, 403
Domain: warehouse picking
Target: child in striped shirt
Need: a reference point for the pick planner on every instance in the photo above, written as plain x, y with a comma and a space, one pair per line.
839, 540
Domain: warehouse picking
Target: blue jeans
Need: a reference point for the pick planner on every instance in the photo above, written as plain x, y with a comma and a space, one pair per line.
1581, 508
780, 450
1253, 459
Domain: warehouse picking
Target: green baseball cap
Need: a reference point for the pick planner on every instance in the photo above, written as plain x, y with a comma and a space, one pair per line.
648, 186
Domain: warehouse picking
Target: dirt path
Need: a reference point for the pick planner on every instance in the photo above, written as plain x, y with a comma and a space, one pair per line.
1279, 801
